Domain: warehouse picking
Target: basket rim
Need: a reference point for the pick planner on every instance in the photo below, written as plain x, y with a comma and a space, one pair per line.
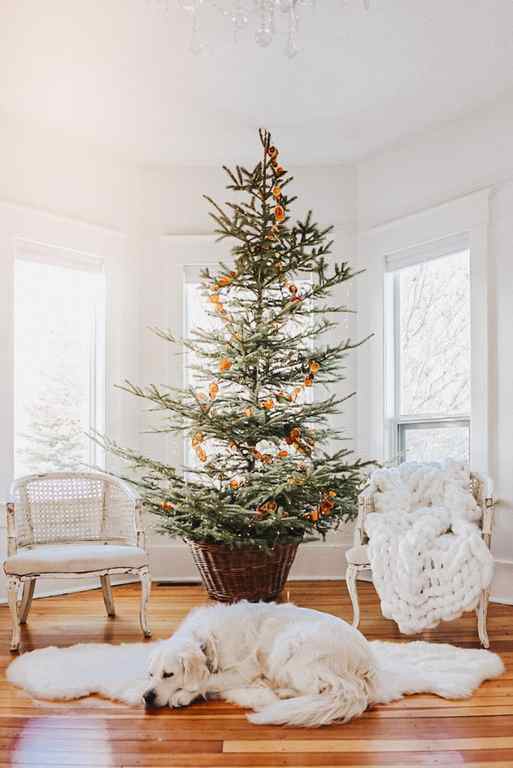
240, 547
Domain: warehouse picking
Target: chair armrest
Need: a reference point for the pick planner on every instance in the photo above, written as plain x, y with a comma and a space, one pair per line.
365, 507
12, 544
488, 518
139, 529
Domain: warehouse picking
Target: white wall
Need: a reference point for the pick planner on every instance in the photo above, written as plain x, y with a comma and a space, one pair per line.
447, 162
44, 169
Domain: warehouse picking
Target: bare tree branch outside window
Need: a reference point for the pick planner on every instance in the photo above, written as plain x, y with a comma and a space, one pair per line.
434, 356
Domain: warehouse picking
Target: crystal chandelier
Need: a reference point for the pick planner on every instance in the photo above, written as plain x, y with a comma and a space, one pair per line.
240, 13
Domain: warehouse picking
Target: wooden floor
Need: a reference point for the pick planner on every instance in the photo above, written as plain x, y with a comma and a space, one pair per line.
420, 730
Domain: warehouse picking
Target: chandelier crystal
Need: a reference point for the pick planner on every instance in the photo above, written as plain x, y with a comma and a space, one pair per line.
241, 13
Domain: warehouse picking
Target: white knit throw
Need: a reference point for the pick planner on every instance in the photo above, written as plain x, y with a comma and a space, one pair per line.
429, 561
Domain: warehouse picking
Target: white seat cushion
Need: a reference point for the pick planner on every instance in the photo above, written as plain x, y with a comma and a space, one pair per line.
358, 555
74, 558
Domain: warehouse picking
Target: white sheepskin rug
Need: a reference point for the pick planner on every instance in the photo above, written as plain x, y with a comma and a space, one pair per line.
119, 672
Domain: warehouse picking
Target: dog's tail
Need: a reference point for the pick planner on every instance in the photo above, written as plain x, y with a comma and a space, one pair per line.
345, 701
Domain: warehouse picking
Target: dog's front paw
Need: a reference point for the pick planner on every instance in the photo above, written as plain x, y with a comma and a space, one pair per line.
181, 699
285, 693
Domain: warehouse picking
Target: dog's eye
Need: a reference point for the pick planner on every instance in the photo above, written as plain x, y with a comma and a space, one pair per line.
167, 674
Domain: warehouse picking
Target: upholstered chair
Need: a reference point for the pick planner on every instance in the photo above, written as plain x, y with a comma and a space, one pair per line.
63, 525
358, 558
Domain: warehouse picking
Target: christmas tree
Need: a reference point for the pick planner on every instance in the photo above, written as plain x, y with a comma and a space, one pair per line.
264, 474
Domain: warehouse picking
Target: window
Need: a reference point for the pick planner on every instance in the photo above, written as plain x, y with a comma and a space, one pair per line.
59, 359
428, 361
198, 314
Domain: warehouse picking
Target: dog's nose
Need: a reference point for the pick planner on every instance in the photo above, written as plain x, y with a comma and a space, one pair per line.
149, 698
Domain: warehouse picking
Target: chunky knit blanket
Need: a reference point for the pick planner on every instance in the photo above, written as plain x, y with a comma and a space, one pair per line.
429, 561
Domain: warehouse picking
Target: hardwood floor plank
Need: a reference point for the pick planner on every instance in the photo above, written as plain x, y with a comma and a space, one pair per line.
369, 745
404, 761
497, 759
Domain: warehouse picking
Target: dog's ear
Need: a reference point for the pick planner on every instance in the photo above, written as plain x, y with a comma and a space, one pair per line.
194, 664
154, 656
209, 648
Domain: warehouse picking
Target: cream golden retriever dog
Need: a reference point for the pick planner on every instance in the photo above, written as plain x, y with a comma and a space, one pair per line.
291, 665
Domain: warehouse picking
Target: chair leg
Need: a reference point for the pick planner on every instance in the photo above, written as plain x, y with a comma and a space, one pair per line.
26, 600
145, 596
482, 615
107, 595
353, 592
13, 585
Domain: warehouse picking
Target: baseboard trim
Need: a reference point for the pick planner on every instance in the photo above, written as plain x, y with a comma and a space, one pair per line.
502, 587
500, 600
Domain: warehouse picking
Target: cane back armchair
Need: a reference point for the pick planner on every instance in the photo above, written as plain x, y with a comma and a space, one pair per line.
358, 558
72, 524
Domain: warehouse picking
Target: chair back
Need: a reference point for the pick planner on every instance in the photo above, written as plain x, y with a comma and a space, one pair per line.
60, 507
480, 487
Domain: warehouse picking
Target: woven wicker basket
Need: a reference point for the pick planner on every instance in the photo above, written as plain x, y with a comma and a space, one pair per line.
243, 574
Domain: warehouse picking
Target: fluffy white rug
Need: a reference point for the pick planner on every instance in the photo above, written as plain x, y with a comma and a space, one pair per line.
119, 671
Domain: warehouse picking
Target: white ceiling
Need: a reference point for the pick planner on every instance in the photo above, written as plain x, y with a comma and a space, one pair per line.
117, 74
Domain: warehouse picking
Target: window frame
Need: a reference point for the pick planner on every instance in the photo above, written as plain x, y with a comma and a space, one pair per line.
468, 215
404, 426
69, 259
396, 423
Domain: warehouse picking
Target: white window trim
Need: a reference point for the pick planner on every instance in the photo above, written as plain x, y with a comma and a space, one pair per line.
57, 255
397, 242
395, 422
